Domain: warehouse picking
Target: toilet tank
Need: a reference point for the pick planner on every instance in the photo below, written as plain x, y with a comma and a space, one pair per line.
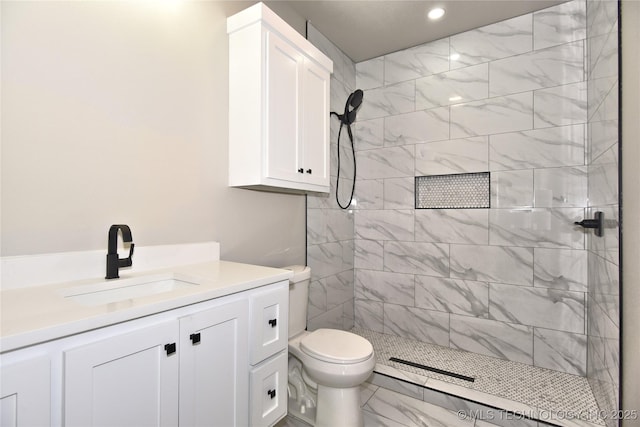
298, 298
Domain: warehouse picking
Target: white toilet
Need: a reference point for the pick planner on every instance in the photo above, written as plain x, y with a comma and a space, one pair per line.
334, 364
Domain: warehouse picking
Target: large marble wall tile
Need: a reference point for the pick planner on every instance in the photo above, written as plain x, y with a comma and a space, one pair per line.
317, 299
399, 193
316, 226
452, 156
494, 115
602, 135
340, 288
324, 259
431, 259
506, 38
561, 269
562, 105
597, 92
423, 60
564, 23
512, 189
384, 286
416, 127
332, 319
368, 134
369, 315
550, 67
348, 251
605, 61
545, 308
416, 323
492, 264
560, 351
369, 254
387, 101
550, 147
603, 178
384, 225
498, 339
465, 297
391, 162
370, 74
348, 314
462, 226
601, 15
561, 187
453, 87
600, 324
339, 225
604, 276
369, 194
543, 228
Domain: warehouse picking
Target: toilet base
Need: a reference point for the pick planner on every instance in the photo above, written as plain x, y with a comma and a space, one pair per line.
339, 407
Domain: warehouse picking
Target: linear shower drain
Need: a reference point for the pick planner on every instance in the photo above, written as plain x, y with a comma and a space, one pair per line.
429, 368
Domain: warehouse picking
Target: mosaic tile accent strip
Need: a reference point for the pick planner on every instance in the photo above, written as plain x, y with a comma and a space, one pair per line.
455, 191
544, 389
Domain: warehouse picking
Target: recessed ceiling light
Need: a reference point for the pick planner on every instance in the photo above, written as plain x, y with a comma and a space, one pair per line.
436, 13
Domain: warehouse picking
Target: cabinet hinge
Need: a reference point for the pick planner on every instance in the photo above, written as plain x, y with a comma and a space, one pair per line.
170, 348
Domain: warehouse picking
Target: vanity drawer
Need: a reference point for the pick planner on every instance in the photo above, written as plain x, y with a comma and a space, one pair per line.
269, 322
268, 394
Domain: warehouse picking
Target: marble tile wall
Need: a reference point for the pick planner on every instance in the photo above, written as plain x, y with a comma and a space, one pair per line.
512, 98
603, 308
330, 230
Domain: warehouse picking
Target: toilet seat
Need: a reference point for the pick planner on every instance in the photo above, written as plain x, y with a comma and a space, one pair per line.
336, 346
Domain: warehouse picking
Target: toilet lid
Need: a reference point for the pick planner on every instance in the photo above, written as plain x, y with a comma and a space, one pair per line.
335, 346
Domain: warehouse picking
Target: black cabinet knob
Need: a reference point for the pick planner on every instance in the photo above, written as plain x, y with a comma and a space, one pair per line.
273, 322
271, 393
170, 348
300, 170
309, 171
195, 338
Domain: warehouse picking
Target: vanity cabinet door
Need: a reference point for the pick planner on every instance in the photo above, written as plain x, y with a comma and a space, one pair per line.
25, 393
124, 380
214, 372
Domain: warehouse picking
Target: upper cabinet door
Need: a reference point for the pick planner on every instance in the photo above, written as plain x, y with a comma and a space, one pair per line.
125, 380
283, 111
315, 124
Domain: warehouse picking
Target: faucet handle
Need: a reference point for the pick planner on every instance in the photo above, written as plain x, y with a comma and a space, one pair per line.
127, 262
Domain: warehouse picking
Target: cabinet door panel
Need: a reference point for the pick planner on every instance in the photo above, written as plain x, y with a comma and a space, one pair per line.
214, 367
25, 393
269, 322
283, 110
315, 124
125, 380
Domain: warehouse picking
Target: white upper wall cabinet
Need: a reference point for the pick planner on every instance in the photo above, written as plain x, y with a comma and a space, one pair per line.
278, 106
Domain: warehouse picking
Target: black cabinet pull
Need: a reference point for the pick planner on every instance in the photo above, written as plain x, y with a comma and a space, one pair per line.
273, 322
195, 338
170, 348
300, 170
309, 171
271, 393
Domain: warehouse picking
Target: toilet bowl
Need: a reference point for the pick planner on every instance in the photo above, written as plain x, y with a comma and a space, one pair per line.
335, 363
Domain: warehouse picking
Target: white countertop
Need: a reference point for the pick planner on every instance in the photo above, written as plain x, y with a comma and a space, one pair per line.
37, 314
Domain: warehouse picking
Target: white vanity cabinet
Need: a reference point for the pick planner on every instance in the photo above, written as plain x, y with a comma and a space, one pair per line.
25, 392
278, 106
187, 366
124, 380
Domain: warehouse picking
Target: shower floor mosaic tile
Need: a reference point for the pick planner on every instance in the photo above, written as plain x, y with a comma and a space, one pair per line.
555, 397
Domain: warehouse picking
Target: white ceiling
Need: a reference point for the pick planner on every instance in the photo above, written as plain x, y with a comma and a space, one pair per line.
367, 29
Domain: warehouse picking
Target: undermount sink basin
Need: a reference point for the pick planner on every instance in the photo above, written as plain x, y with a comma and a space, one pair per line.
116, 290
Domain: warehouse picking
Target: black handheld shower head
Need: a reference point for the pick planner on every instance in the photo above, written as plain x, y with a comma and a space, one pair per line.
350, 108
354, 101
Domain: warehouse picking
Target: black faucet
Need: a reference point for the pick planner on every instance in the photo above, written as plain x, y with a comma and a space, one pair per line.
113, 262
